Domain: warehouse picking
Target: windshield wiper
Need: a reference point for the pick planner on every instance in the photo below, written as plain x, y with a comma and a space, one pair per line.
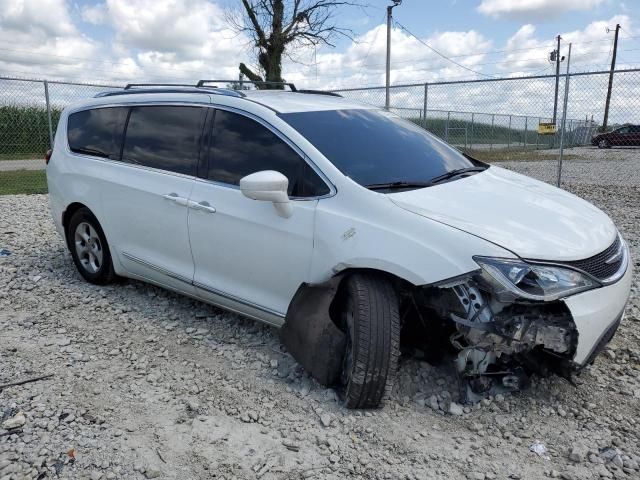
395, 185
455, 173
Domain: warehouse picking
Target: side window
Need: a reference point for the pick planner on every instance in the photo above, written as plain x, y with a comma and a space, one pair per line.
623, 130
164, 137
97, 132
241, 146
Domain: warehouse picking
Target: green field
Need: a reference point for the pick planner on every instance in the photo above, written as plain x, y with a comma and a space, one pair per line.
24, 131
463, 132
23, 181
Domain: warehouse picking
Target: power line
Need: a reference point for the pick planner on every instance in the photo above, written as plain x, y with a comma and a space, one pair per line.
437, 52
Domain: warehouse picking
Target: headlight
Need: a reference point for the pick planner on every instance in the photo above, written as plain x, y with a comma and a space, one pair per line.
533, 281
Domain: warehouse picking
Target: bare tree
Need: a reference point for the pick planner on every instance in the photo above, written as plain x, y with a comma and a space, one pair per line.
279, 27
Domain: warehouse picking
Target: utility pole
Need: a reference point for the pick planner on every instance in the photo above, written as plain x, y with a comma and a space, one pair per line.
389, 9
613, 67
564, 118
555, 55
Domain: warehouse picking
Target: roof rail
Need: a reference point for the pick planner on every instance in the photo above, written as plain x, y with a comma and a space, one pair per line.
320, 92
181, 89
201, 83
129, 86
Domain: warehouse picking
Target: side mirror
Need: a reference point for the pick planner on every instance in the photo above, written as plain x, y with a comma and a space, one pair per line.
268, 186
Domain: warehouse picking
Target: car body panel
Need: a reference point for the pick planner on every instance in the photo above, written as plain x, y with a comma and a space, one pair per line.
246, 250
510, 209
595, 311
421, 252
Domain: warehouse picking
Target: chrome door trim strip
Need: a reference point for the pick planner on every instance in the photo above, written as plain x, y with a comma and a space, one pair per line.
188, 281
164, 271
238, 300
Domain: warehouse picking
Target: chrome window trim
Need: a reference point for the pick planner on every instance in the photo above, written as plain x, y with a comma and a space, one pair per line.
332, 188
131, 165
68, 151
305, 158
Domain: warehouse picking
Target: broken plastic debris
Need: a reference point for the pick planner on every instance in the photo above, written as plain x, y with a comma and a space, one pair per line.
4, 252
539, 449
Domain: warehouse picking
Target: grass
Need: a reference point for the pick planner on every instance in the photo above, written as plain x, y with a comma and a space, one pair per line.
496, 156
23, 181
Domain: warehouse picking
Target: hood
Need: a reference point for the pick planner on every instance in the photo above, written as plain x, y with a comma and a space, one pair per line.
532, 219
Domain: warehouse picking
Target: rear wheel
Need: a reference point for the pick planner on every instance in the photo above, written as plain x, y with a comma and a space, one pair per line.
604, 144
89, 248
370, 315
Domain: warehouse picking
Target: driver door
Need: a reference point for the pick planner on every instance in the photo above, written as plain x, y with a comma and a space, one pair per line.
247, 256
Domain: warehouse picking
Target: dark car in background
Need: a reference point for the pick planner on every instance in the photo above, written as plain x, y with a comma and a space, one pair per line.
625, 136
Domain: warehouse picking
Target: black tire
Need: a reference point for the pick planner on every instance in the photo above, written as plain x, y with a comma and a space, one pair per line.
98, 273
370, 315
604, 144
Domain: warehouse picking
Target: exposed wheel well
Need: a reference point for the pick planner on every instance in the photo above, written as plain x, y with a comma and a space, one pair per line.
399, 284
68, 213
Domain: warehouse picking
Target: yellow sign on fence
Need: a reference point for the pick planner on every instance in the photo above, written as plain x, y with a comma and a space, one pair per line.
547, 128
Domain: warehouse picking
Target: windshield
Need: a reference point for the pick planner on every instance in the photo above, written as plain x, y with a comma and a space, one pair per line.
375, 147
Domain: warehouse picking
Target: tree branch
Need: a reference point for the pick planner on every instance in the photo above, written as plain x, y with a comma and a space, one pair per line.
246, 71
250, 9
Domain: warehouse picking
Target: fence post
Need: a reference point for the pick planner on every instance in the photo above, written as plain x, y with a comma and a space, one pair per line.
509, 135
538, 133
446, 131
426, 96
526, 129
493, 119
46, 99
472, 122
564, 117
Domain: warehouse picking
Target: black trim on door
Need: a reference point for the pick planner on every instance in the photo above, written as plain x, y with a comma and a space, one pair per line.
205, 144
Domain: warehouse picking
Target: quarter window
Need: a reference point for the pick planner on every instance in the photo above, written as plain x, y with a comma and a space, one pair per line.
241, 146
97, 132
164, 137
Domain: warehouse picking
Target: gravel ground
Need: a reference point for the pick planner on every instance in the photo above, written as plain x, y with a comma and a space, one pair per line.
584, 165
149, 384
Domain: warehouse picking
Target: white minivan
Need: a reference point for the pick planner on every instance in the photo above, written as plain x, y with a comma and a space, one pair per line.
357, 232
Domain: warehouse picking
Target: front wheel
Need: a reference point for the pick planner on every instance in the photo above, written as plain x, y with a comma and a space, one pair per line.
604, 144
370, 316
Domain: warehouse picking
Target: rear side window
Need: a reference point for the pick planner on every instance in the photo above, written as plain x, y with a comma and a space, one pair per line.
164, 137
97, 132
241, 146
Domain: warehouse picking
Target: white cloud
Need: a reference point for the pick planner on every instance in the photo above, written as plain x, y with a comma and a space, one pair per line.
44, 17
363, 62
39, 38
94, 14
533, 9
591, 47
169, 40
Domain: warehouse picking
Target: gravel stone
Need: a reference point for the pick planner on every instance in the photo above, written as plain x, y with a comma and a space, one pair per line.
214, 393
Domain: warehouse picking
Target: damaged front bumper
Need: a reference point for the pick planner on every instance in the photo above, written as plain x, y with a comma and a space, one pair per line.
500, 343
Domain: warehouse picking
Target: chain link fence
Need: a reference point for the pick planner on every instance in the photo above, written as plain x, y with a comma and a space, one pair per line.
496, 120
29, 113
502, 121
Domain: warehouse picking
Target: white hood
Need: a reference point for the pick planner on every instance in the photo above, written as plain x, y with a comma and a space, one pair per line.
532, 219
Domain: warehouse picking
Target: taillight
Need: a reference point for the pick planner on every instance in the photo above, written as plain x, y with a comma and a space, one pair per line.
47, 156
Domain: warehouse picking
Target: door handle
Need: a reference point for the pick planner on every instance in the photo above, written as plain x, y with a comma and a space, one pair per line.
174, 197
204, 206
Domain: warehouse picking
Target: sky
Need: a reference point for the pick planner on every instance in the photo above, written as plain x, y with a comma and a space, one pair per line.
120, 41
